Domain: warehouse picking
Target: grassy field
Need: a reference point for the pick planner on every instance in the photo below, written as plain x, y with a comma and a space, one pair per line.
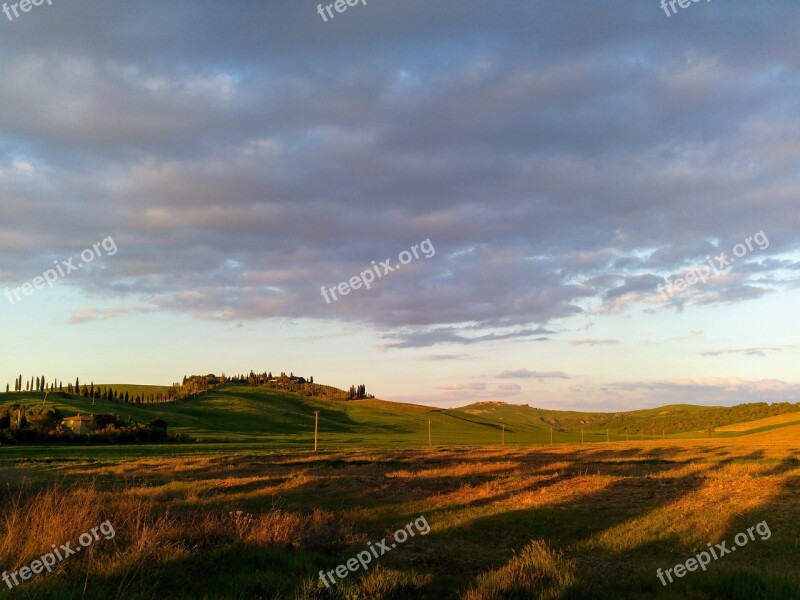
567, 521
252, 513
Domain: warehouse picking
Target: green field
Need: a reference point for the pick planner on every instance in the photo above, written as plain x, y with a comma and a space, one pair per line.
261, 417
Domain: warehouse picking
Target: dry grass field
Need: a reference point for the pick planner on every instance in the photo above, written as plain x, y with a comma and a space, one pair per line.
571, 521
747, 426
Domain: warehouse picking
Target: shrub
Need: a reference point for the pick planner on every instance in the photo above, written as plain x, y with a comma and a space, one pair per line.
536, 572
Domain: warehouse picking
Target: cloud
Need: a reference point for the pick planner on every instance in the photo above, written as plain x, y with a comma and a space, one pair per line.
762, 351
731, 384
594, 342
526, 374
509, 387
245, 170
84, 315
421, 339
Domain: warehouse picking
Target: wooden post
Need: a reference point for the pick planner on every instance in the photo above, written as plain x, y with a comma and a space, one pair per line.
607, 439
551, 435
504, 434
626, 435
429, 434
581, 436
316, 428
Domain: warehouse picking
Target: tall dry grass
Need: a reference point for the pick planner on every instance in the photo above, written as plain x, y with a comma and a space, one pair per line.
149, 539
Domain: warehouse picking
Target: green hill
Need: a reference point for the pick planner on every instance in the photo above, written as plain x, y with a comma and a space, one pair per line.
282, 419
682, 419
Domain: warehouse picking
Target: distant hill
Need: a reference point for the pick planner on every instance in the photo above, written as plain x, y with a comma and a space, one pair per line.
673, 419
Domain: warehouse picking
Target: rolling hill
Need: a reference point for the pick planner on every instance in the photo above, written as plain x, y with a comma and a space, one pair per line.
282, 419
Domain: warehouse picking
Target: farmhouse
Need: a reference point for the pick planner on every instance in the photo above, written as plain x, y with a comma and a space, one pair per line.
80, 425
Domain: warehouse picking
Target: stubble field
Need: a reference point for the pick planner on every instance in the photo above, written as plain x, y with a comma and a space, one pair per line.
571, 521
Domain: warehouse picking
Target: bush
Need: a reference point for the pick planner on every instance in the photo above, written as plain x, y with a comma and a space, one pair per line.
158, 424
536, 572
43, 418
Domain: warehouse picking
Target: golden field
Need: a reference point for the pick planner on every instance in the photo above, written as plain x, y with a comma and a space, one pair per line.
563, 521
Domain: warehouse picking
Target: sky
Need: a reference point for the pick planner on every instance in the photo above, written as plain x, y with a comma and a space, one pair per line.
540, 168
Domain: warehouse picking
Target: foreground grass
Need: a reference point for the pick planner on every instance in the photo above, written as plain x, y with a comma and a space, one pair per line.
592, 521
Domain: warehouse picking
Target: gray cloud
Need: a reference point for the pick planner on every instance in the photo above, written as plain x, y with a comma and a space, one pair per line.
449, 357
526, 374
450, 335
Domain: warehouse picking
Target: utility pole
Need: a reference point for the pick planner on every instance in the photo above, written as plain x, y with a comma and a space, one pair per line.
316, 428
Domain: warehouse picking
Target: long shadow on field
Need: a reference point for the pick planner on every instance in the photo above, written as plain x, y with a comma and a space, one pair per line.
765, 566
643, 489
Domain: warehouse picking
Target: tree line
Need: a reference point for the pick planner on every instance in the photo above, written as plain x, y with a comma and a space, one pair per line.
358, 392
190, 386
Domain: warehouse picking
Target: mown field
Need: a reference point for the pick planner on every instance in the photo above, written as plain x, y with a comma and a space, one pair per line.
561, 521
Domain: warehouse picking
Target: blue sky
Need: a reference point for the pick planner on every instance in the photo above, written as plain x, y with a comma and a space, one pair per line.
563, 159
